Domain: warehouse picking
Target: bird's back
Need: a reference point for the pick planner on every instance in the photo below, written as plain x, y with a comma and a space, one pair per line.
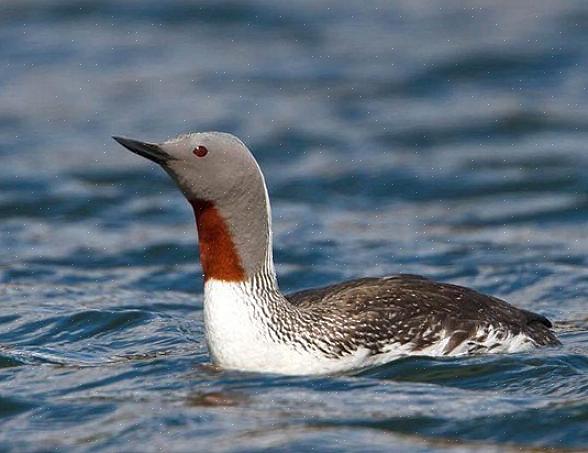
422, 314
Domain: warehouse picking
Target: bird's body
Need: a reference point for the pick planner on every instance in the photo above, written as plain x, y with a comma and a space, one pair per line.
251, 325
360, 323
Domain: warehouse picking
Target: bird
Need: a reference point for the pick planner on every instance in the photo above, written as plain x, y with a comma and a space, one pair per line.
251, 326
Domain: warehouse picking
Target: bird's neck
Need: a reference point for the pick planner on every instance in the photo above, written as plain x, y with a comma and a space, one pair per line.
235, 239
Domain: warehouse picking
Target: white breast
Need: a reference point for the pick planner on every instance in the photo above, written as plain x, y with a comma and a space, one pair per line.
239, 338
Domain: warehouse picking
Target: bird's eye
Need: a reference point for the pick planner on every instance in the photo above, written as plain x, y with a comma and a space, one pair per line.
200, 151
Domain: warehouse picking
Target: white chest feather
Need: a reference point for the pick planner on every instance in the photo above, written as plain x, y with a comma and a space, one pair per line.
239, 337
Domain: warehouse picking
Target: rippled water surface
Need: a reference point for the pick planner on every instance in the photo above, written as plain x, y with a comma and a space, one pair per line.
448, 139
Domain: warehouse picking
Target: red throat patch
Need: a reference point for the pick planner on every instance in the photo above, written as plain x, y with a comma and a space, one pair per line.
218, 255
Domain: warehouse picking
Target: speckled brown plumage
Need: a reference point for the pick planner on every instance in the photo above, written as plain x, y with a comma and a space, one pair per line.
409, 309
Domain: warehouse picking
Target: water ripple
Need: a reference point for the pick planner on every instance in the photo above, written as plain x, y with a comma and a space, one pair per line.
448, 141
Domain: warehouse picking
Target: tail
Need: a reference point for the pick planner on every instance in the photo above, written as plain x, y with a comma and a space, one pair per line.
540, 329
536, 318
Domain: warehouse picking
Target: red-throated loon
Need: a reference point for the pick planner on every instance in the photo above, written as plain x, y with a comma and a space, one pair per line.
250, 325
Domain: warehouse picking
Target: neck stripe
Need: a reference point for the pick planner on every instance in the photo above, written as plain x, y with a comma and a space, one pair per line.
218, 255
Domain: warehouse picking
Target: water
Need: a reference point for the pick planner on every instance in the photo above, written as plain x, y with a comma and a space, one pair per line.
445, 139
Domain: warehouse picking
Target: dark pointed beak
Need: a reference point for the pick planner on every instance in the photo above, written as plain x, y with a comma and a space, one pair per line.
149, 150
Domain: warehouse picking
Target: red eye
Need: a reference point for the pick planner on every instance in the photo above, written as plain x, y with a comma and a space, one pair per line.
200, 151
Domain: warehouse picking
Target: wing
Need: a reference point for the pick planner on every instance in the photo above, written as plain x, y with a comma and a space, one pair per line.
416, 310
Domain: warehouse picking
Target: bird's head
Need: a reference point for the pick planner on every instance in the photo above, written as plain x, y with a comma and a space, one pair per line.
211, 166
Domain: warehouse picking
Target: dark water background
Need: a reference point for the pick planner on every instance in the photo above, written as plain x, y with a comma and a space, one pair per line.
448, 139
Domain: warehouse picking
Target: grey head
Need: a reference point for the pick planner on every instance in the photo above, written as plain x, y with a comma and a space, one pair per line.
206, 165
215, 170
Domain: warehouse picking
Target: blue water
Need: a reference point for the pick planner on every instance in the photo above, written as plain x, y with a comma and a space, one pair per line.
448, 139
